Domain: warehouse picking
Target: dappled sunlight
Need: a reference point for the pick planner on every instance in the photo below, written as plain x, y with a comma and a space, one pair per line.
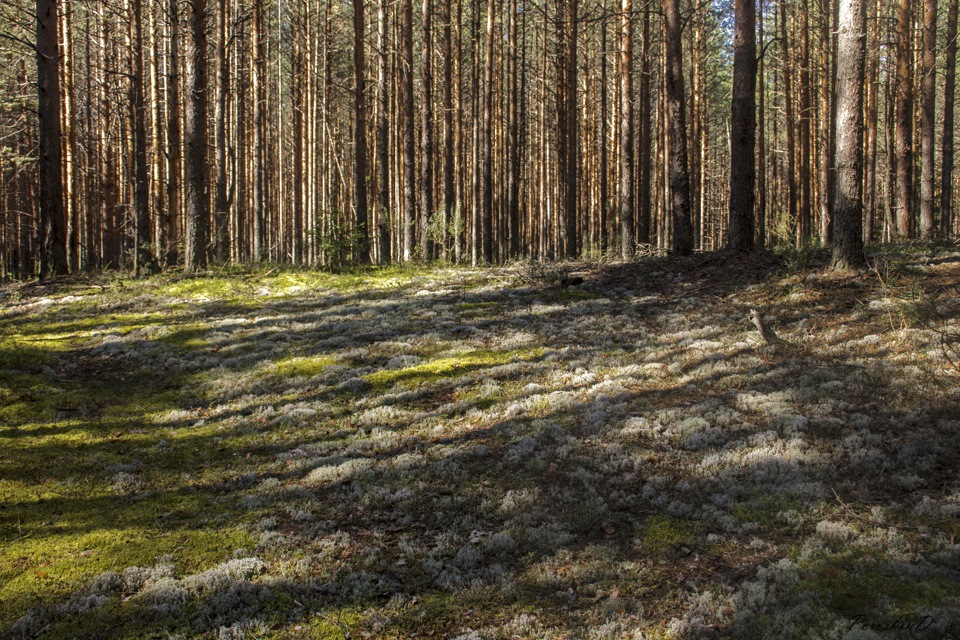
443, 450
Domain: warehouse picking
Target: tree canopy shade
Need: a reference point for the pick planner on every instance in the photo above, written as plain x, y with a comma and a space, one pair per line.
483, 130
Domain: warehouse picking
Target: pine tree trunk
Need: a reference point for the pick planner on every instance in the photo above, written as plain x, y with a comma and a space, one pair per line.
513, 138
928, 85
408, 138
761, 209
297, 108
790, 175
903, 124
383, 134
604, 195
848, 213
872, 89
486, 218
174, 210
678, 168
949, 88
570, 193
70, 183
141, 190
646, 137
627, 202
360, 134
448, 131
222, 204
426, 133
261, 197
825, 132
197, 229
52, 224
743, 127
805, 230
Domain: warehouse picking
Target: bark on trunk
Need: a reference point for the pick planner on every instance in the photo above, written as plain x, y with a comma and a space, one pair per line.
409, 139
743, 127
52, 223
927, 135
949, 87
141, 190
627, 203
848, 211
383, 134
486, 217
197, 229
426, 133
360, 135
679, 176
904, 119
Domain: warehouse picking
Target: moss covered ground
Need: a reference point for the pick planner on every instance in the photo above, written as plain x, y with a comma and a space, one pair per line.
477, 454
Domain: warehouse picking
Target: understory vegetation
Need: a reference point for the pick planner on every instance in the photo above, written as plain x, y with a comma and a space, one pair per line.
576, 451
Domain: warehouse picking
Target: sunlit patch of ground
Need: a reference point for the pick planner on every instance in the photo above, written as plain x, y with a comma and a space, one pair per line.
438, 452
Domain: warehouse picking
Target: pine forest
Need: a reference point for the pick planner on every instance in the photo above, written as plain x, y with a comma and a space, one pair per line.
479, 320
325, 134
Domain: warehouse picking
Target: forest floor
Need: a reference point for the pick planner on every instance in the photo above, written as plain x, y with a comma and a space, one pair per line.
486, 453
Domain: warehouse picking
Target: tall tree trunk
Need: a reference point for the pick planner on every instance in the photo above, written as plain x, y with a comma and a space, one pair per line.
408, 138
448, 130
627, 204
570, 198
383, 133
903, 124
261, 195
604, 133
68, 105
743, 127
514, 167
825, 142
646, 138
761, 209
52, 225
360, 134
791, 151
872, 89
679, 177
298, 107
197, 227
426, 133
141, 190
949, 87
848, 214
174, 210
486, 218
928, 85
222, 204
804, 230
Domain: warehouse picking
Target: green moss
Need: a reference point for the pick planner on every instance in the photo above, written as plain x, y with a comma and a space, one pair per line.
571, 293
37, 571
855, 582
477, 309
448, 367
764, 509
300, 366
202, 288
187, 337
661, 533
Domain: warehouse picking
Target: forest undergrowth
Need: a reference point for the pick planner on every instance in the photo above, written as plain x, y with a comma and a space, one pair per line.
575, 451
